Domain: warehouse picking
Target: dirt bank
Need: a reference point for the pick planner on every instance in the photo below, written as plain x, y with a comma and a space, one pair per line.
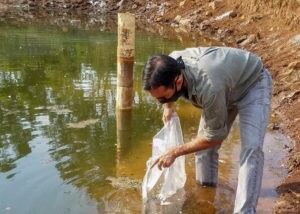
269, 28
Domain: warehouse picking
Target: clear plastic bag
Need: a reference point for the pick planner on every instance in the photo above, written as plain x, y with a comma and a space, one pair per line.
170, 179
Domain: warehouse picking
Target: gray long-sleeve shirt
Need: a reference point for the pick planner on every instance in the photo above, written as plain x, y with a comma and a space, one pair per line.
216, 78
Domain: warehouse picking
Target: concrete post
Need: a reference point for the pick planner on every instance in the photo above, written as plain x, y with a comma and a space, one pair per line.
125, 54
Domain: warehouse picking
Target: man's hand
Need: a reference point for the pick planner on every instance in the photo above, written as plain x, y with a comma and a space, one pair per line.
168, 111
197, 144
166, 160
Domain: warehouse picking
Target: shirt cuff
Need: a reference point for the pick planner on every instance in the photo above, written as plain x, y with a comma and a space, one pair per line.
214, 135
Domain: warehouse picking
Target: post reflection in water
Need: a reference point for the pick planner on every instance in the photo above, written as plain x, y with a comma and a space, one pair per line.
124, 139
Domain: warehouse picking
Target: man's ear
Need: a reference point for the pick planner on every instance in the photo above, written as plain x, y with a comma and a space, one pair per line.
179, 81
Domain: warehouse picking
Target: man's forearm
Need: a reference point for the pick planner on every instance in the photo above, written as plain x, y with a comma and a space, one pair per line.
194, 145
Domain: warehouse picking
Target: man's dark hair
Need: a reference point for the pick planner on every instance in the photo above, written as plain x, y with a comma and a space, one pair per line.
161, 70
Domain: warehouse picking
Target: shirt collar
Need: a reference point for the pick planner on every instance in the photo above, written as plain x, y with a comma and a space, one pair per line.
189, 79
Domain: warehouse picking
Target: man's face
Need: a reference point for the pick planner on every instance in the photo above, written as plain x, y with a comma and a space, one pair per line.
168, 94
162, 92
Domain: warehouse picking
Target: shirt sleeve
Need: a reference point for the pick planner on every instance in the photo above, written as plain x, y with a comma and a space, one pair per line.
213, 125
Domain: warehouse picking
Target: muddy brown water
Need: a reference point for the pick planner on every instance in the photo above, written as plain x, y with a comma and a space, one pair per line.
60, 150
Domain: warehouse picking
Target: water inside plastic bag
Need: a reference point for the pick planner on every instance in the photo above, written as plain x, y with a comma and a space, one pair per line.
162, 184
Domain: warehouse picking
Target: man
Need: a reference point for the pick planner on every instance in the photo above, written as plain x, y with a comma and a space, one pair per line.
223, 82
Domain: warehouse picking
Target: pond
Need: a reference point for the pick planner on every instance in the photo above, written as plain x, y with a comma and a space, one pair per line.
60, 150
